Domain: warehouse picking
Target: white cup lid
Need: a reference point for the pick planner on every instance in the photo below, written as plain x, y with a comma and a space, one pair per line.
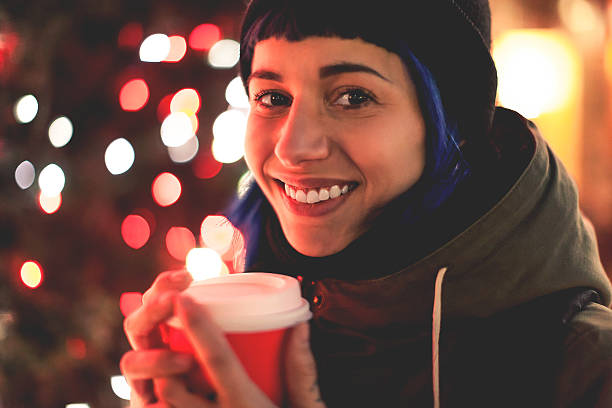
253, 301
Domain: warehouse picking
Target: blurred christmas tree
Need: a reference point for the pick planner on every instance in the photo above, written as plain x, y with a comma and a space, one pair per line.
61, 333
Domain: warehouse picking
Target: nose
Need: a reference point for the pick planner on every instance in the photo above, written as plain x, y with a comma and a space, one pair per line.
303, 137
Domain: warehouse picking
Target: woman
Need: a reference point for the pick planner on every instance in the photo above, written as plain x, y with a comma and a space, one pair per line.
387, 181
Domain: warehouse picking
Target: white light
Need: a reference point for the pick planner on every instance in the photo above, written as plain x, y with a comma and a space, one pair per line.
203, 263
51, 180
229, 131
25, 109
25, 174
217, 233
185, 152
78, 405
120, 387
176, 129
119, 156
235, 94
224, 54
155, 48
60, 131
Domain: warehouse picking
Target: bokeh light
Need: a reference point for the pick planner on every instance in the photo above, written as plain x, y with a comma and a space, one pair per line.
25, 109
537, 71
130, 35
135, 231
120, 387
186, 100
224, 54
76, 347
217, 232
25, 174
204, 263
155, 48
51, 180
185, 152
134, 95
60, 131
166, 189
178, 48
129, 302
176, 129
119, 156
204, 36
31, 274
78, 405
205, 166
179, 241
229, 131
236, 95
163, 108
49, 204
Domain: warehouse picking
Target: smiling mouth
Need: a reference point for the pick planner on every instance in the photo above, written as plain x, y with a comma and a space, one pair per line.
317, 195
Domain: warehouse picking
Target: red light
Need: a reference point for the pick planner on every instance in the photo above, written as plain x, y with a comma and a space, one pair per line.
163, 109
31, 274
76, 348
166, 189
204, 36
179, 241
129, 302
130, 35
178, 48
135, 231
134, 95
205, 166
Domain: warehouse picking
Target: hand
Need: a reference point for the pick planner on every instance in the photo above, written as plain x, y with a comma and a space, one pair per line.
150, 358
234, 387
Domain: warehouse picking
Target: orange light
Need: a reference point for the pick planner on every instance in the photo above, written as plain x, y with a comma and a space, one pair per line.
178, 48
179, 241
134, 95
129, 302
204, 36
166, 189
49, 204
31, 274
135, 231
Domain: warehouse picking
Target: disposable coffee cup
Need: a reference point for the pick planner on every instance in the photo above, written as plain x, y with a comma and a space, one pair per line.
255, 310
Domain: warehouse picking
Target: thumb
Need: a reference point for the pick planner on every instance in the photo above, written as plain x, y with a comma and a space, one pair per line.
301, 370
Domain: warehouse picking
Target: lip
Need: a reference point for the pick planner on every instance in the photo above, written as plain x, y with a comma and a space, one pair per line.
312, 210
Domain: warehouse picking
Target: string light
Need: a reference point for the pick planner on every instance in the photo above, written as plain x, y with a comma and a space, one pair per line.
224, 54
235, 94
217, 232
119, 156
178, 48
185, 152
204, 263
25, 174
229, 131
49, 204
51, 180
130, 35
176, 129
135, 231
204, 36
155, 48
187, 101
60, 131
120, 387
205, 166
25, 109
129, 302
31, 274
179, 241
166, 189
134, 95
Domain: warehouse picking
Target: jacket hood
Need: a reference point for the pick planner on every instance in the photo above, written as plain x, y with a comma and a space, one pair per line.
533, 242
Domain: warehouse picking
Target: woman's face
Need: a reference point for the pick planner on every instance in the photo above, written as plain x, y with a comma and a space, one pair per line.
335, 132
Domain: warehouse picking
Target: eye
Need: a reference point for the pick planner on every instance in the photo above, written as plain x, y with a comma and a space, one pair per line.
270, 99
354, 98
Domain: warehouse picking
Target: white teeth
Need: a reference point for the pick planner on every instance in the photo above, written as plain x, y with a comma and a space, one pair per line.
312, 197
334, 192
300, 196
323, 194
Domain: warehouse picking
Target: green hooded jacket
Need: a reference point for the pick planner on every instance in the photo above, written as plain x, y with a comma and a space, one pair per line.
509, 311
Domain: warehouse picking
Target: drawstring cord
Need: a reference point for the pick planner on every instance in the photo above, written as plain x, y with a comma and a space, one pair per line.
436, 322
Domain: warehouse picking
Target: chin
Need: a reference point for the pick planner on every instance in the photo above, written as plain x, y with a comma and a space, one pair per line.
315, 247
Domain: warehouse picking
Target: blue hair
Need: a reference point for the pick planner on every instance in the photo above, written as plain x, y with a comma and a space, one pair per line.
444, 169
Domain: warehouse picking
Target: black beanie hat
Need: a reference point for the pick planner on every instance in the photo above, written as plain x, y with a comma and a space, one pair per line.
451, 37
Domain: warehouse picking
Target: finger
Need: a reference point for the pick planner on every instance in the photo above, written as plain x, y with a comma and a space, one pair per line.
302, 386
143, 323
173, 391
147, 364
168, 281
212, 348
141, 392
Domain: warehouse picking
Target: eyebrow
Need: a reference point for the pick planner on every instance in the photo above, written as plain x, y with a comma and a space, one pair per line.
324, 72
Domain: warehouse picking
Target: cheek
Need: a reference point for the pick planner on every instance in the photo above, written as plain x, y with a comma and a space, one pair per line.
257, 146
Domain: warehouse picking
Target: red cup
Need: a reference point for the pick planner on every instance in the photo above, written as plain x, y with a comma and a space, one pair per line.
255, 310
